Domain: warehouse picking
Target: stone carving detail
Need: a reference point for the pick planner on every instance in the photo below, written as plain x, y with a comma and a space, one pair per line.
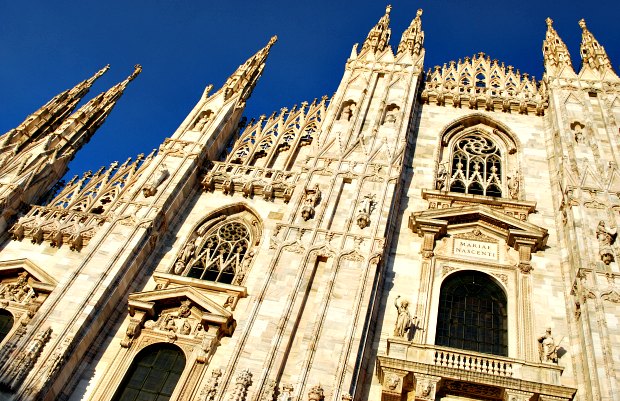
81, 207
200, 123
404, 322
513, 185
494, 87
270, 393
286, 393
19, 291
547, 348
250, 181
210, 390
150, 188
312, 197
413, 37
442, 178
316, 393
392, 382
242, 382
20, 366
347, 111
606, 238
364, 209
286, 132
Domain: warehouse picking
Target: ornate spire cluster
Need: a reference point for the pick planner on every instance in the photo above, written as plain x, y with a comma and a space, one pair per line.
479, 82
244, 79
278, 133
555, 52
75, 213
413, 37
379, 36
43, 121
593, 54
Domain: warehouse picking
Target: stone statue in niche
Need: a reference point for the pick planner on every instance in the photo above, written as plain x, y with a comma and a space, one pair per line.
347, 111
391, 116
513, 185
202, 121
547, 348
404, 321
605, 238
312, 197
364, 209
577, 128
442, 178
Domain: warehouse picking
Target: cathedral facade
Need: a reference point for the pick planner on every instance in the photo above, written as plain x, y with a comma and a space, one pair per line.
447, 234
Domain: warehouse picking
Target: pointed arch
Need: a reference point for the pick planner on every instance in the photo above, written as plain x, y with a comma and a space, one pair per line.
221, 246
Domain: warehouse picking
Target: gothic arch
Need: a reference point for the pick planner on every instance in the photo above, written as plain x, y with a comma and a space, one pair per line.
221, 246
478, 155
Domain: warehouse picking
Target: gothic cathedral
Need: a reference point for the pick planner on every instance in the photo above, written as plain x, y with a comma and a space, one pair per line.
442, 235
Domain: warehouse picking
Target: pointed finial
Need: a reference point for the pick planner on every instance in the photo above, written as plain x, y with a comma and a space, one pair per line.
582, 24
100, 72
549, 22
388, 9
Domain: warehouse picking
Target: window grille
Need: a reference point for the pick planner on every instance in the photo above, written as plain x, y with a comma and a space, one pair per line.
153, 375
472, 314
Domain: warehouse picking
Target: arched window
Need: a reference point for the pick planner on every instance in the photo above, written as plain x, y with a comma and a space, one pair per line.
153, 375
219, 254
472, 314
6, 323
476, 166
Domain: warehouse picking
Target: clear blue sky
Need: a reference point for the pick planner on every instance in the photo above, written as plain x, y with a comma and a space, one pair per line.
49, 46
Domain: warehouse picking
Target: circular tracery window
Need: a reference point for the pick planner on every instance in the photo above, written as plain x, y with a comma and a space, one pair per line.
476, 167
219, 255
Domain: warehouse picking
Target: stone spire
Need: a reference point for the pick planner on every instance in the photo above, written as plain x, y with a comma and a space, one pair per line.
555, 53
80, 126
47, 118
379, 36
593, 54
413, 37
244, 79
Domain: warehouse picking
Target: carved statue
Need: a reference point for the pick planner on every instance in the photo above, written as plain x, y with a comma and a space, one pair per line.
201, 122
546, 347
442, 178
210, 389
242, 382
513, 185
185, 328
286, 394
606, 238
316, 393
391, 116
347, 112
312, 197
185, 309
150, 188
403, 321
364, 209
19, 291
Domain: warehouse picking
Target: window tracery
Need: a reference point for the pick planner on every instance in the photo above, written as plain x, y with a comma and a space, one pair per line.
219, 250
476, 166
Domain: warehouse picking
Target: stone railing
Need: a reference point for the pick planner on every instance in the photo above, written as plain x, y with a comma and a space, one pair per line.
470, 361
473, 362
249, 181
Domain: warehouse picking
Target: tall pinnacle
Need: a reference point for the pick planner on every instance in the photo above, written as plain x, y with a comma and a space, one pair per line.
244, 79
592, 53
379, 36
555, 52
413, 37
43, 121
81, 125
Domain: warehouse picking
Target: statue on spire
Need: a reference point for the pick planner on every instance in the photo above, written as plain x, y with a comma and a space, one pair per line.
379, 36
413, 37
593, 54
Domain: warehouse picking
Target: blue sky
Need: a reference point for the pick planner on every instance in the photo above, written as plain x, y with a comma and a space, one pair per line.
49, 46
